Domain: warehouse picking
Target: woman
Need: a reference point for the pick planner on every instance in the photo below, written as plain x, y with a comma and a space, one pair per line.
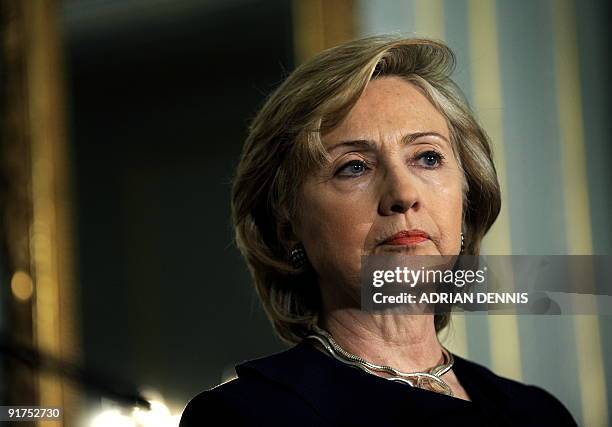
368, 148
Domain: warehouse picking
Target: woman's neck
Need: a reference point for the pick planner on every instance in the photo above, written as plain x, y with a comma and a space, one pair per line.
405, 342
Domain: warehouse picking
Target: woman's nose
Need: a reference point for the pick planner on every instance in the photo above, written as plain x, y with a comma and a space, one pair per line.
399, 191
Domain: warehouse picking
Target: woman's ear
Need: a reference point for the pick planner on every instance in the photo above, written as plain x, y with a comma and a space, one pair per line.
287, 236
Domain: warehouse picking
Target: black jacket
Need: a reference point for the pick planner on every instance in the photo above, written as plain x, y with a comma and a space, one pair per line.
304, 387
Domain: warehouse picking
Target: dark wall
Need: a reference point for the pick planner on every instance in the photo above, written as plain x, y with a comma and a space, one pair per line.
159, 111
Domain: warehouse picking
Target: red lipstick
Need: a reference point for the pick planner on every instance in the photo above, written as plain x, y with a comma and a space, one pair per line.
407, 237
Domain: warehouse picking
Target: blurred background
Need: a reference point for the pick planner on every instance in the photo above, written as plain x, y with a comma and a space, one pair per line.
122, 122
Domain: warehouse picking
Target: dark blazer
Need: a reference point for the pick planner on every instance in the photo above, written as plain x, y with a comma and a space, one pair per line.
304, 387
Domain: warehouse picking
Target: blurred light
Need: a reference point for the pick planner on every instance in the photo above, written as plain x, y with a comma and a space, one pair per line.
159, 415
22, 286
112, 418
228, 374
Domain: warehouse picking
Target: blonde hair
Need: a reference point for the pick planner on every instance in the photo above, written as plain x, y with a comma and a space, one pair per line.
284, 144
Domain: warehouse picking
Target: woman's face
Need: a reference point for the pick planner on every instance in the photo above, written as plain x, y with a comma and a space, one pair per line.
392, 169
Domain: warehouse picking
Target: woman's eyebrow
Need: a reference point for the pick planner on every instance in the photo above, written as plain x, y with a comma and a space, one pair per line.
407, 139
371, 145
358, 143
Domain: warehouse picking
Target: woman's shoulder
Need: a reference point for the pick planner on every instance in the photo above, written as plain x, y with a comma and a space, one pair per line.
250, 399
518, 397
212, 404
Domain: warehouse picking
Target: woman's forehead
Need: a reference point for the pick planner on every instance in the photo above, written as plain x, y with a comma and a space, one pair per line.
389, 109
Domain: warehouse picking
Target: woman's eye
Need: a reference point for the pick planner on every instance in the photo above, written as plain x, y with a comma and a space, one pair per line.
352, 168
430, 159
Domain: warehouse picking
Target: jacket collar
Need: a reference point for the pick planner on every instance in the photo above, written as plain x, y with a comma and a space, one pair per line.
343, 394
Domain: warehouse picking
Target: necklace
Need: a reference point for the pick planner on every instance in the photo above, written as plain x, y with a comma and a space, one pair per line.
429, 378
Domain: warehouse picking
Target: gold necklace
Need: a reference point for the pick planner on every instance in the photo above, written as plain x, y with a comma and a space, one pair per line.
429, 378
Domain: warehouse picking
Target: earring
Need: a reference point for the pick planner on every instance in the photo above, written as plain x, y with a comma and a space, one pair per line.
462, 243
297, 257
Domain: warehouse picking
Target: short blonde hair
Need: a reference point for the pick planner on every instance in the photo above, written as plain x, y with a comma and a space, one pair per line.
284, 144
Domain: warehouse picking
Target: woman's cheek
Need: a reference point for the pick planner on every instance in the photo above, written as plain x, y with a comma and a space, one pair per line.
445, 202
448, 219
340, 246
348, 235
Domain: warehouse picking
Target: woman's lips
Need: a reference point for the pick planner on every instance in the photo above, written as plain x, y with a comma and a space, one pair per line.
411, 237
